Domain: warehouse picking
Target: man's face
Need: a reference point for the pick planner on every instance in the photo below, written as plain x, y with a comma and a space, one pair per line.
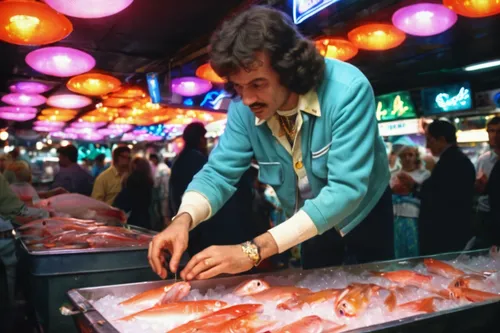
123, 162
494, 135
260, 88
432, 144
154, 161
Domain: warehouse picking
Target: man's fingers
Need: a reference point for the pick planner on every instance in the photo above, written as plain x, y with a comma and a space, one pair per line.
202, 266
214, 271
192, 263
176, 257
156, 253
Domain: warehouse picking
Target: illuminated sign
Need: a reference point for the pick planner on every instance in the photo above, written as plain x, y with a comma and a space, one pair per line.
213, 99
153, 87
303, 9
395, 106
455, 97
400, 127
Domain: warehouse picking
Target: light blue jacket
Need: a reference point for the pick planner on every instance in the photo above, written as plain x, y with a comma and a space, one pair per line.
344, 156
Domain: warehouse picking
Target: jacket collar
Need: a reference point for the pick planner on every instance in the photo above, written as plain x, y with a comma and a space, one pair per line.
308, 103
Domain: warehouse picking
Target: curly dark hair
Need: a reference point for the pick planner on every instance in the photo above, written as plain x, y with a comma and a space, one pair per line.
263, 29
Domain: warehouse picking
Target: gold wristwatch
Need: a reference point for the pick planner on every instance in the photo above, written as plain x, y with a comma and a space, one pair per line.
252, 251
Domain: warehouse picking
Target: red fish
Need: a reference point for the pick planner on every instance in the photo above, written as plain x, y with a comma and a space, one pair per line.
465, 281
406, 278
472, 295
81, 206
180, 311
249, 323
310, 324
441, 268
251, 287
298, 301
354, 300
217, 318
158, 296
279, 294
422, 305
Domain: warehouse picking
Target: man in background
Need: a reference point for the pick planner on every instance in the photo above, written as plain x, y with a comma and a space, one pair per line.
161, 175
99, 165
493, 191
71, 176
484, 166
109, 183
447, 195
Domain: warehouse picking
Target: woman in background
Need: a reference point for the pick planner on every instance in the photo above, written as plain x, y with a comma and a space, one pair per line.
136, 195
407, 207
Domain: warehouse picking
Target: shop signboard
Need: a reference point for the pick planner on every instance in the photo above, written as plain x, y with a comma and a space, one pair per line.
399, 127
304, 9
395, 106
449, 98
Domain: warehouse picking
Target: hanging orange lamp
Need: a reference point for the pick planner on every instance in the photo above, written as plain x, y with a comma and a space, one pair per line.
28, 22
474, 8
207, 72
93, 84
96, 118
376, 37
336, 48
54, 114
129, 92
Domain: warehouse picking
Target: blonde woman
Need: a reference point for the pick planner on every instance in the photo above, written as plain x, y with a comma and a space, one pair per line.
406, 206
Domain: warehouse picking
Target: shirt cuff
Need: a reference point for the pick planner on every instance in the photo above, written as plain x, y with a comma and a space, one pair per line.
293, 231
197, 206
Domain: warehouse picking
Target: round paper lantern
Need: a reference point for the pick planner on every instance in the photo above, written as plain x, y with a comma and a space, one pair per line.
206, 72
53, 114
60, 61
17, 116
190, 86
19, 109
68, 101
424, 19
120, 127
110, 131
376, 37
63, 135
92, 136
114, 102
24, 99
51, 124
100, 118
93, 84
31, 23
89, 8
85, 124
336, 48
29, 87
44, 128
474, 8
129, 92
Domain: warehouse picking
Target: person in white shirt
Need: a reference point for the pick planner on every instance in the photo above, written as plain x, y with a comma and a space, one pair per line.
484, 166
407, 206
161, 175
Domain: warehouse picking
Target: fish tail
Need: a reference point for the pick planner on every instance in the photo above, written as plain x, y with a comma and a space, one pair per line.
427, 305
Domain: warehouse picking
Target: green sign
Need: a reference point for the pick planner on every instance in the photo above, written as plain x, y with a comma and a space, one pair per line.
395, 106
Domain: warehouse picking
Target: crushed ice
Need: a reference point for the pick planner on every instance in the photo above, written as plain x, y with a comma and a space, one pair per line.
376, 313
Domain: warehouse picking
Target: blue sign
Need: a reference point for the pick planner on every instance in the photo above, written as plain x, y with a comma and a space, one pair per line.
213, 99
303, 9
153, 87
449, 98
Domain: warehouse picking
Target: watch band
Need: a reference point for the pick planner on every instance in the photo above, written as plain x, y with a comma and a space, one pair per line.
252, 251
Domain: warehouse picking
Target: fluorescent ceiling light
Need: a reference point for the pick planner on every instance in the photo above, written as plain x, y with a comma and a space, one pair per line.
483, 65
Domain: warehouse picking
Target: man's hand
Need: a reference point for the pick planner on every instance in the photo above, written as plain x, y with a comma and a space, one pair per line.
174, 239
229, 259
480, 185
216, 260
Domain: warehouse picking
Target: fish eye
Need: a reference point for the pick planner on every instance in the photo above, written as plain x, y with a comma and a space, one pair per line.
341, 312
258, 283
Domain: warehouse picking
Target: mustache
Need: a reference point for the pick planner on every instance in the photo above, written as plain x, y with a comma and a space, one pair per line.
257, 105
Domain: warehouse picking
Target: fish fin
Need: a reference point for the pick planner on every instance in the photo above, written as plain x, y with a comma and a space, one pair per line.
391, 301
427, 305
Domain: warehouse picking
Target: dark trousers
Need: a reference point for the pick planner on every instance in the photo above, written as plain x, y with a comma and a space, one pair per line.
371, 240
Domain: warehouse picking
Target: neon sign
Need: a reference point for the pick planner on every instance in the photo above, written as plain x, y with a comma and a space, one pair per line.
154, 87
445, 102
213, 99
303, 9
454, 97
395, 106
399, 127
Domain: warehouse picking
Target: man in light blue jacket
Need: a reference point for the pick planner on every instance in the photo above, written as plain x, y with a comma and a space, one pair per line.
310, 123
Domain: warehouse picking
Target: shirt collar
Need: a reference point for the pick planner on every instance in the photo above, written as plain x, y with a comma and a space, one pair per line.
308, 103
115, 170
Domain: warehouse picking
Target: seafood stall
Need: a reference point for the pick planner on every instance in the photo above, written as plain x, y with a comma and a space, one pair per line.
454, 292
61, 253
